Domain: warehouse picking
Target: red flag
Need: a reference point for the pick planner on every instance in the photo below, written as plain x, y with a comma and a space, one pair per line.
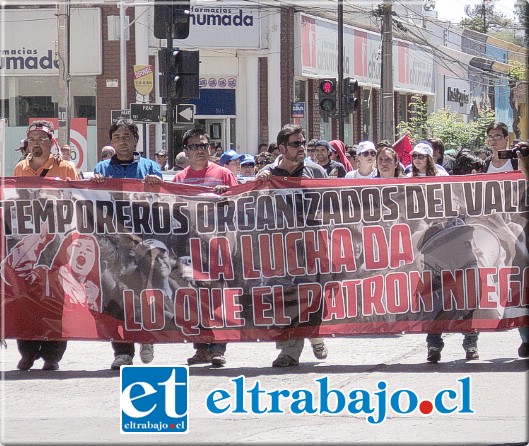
403, 148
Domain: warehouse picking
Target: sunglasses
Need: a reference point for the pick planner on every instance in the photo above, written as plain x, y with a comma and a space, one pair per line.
194, 147
297, 143
418, 156
261, 163
369, 153
40, 140
247, 165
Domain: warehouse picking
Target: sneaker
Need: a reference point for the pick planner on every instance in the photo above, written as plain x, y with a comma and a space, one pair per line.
25, 363
472, 354
320, 350
121, 360
523, 350
218, 360
201, 356
284, 361
51, 364
434, 354
146, 353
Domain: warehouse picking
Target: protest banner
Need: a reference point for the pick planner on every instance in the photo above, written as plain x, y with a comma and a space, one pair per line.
265, 261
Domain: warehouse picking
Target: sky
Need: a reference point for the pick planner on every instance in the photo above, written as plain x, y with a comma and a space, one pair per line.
453, 10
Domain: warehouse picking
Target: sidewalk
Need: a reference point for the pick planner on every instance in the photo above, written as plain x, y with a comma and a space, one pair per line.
80, 403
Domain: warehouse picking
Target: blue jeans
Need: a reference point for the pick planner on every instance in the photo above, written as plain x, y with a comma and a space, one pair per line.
469, 341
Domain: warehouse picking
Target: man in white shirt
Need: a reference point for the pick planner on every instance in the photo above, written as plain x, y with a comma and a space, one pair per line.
498, 139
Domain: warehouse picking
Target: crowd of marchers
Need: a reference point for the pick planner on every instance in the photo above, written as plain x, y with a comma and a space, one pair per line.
291, 155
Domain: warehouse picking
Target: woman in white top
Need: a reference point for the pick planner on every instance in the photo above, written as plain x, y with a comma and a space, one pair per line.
365, 159
423, 164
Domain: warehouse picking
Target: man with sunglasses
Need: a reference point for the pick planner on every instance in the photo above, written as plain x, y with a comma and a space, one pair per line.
202, 172
292, 162
39, 162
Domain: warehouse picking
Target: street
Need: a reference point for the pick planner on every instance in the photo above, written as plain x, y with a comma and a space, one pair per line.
79, 404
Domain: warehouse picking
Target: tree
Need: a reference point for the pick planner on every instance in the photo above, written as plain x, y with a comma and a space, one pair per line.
517, 73
484, 17
418, 114
521, 12
447, 125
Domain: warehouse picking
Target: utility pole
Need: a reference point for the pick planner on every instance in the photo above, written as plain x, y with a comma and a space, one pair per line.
123, 54
388, 121
340, 89
63, 49
484, 17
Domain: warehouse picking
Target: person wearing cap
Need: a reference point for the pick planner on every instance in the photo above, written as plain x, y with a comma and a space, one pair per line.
40, 162
423, 164
127, 163
23, 147
232, 161
161, 159
248, 167
292, 162
466, 163
366, 157
202, 172
323, 158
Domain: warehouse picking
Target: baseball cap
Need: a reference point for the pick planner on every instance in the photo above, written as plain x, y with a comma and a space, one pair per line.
161, 153
423, 148
365, 146
323, 143
23, 145
147, 245
248, 159
44, 127
228, 156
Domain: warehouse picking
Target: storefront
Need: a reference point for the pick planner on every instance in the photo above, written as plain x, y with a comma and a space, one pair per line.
29, 66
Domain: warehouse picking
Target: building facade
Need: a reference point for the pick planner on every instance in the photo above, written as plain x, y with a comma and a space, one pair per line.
260, 67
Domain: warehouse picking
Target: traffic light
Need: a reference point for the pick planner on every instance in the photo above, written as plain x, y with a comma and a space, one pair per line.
349, 91
180, 73
174, 14
328, 95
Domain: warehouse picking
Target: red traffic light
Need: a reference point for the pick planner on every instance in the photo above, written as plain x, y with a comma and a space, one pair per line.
327, 86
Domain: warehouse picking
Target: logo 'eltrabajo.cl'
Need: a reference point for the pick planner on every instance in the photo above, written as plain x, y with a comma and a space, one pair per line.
154, 399
375, 405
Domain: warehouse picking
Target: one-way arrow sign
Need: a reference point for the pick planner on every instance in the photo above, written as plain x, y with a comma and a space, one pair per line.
185, 113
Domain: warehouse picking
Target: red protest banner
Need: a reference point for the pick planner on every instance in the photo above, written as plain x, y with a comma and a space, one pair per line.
286, 258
